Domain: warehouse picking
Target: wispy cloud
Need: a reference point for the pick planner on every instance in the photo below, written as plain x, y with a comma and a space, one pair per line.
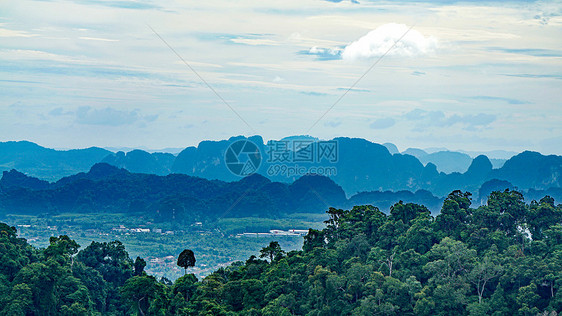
427, 119
417, 73
123, 4
255, 41
382, 123
353, 90
536, 52
14, 33
324, 53
314, 93
252, 39
97, 39
502, 99
59, 111
108, 116
333, 124
536, 76
338, 1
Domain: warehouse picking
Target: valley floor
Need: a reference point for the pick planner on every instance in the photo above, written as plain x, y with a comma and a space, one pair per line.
215, 245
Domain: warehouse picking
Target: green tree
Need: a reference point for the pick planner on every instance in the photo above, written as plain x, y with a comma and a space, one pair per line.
186, 286
407, 212
140, 291
313, 239
482, 273
273, 251
186, 259
110, 259
451, 261
61, 246
451, 258
139, 266
453, 219
542, 216
505, 211
527, 299
15, 253
21, 301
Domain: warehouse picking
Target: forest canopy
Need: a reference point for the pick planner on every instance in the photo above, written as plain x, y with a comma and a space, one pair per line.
502, 258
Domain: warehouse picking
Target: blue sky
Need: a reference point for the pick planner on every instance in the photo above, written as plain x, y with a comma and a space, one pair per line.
469, 75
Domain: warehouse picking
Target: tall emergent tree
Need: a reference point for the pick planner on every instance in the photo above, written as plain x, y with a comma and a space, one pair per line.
273, 251
186, 259
139, 266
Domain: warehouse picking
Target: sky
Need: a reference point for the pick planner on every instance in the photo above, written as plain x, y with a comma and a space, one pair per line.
471, 75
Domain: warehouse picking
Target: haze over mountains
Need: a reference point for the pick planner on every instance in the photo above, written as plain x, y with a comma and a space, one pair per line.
179, 197
362, 166
50, 164
46, 163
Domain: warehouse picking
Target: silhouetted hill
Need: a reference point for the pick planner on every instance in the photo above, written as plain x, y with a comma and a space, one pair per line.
477, 173
16, 180
183, 198
207, 159
391, 148
45, 163
366, 166
106, 188
140, 161
445, 160
532, 170
361, 165
479, 167
316, 190
555, 193
98, 172
491, 186
416, 152
493, 154
448, 161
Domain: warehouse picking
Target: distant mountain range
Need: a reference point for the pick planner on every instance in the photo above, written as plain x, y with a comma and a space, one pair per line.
48, 164
361, 166
448, 161
179, 197
185, 199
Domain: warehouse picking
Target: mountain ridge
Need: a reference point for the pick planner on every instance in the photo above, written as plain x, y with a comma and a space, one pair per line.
179, 197
361, 165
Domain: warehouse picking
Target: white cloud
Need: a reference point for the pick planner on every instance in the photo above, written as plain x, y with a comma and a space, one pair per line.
97, 39
255, 41
325, 53
14, 33
380, 40
28, 54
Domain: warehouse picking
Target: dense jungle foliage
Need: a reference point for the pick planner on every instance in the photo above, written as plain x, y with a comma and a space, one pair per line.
503, 258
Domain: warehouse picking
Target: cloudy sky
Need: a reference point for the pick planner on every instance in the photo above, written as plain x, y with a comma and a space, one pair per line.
470, 75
